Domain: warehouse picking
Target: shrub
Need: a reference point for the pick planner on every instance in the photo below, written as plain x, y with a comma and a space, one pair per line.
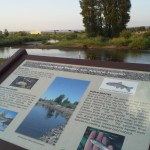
126, 34
91, 34
120, 41
71, 36
103, 39
147, 34
2, 60
140, 42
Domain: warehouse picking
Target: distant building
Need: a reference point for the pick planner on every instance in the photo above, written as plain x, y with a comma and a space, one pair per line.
35, 32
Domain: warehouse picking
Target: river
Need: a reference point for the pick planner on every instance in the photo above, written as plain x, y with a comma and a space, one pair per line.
47, 120
127, 56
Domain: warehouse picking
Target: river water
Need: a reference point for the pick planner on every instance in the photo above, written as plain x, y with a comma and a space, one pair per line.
40, 121
136, 56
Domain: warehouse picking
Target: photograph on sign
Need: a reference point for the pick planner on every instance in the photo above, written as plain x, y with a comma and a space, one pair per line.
99, 139
51, 113
6, 117
24, 82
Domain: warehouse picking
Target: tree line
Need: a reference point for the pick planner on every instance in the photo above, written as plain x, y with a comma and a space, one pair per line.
105, 17
4, 34
63, 101
19, 38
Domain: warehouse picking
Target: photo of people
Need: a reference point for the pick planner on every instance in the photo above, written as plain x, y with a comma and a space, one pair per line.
96, 139
6, 117
51, 113
24, 82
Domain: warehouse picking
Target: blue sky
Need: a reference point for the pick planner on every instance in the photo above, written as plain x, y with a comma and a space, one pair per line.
9, 114
19, 15
73, 89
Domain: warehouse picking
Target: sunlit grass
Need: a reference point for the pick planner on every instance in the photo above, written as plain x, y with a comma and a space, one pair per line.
140, 41
82, 40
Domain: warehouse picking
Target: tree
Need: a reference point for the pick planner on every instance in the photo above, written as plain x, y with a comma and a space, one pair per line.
89, 16
123, 15
1, 35
76, 103
66, 101
126, 34
105, 17
99, 16
59, 99
116, 16
21, 33
6, 33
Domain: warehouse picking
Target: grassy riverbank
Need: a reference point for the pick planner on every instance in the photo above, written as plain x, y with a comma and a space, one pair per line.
2, 60
128, 39
20, 38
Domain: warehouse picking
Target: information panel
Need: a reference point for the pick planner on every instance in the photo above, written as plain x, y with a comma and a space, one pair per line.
47, 105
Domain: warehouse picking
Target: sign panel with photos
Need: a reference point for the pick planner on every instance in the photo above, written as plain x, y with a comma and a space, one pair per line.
67, 104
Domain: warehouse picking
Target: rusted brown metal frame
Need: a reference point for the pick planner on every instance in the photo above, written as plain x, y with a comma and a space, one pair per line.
7, 68
11, 64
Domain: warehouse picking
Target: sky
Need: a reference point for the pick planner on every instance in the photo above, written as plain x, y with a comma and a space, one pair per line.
9, 114
42, 15
73, 89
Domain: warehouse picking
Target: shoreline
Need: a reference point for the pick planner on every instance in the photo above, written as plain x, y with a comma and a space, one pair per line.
52, 136
84, 47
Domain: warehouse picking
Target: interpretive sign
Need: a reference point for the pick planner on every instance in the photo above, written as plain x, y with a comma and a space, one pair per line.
64, 104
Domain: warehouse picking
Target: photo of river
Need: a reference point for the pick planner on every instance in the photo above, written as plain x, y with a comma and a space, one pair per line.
6, 117
48, 118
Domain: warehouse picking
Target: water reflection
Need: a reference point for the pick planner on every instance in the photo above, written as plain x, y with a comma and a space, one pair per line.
52, 41
112, 55
134, 56
7, 52
41, 120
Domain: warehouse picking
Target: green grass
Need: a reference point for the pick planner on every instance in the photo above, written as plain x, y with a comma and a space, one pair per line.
14, 39
139, 42
121, 41
136, 40
130, 39
82, 40
2, 60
